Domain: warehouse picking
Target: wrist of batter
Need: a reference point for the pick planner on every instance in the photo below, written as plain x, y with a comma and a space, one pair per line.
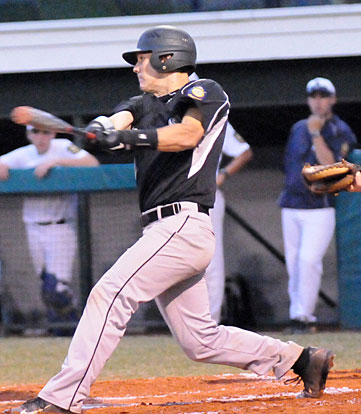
139, 137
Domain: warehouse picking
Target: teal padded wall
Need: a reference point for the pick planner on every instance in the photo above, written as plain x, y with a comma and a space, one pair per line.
71, 179
348, 241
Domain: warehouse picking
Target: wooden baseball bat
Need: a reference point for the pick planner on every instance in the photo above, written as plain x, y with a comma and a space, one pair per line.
27, 115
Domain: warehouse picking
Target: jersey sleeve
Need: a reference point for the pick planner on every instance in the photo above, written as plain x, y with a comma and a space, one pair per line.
234, 145
209, 98
348, 142
133, 105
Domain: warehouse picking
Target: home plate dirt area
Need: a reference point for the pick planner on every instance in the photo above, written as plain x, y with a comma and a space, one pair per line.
228, 393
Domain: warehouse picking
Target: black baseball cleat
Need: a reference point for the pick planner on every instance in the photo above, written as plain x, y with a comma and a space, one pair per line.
312, 368
37, 405
300, 327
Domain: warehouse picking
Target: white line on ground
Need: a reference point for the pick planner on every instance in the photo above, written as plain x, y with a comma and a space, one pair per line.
106, 402
101, 402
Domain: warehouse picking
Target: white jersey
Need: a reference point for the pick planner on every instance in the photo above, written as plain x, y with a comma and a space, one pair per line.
233, 145
45, 208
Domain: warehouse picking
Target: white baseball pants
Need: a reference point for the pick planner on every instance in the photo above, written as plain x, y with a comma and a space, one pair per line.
307, 234
166, 263
53, 246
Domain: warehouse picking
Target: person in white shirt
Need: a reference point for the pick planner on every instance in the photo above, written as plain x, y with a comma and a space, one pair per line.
50, 219
240, 152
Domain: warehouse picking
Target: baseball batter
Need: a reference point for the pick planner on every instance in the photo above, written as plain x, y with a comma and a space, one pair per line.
50, 219
176, 129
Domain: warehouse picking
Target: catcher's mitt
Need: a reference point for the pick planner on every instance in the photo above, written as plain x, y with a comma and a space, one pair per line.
330, 178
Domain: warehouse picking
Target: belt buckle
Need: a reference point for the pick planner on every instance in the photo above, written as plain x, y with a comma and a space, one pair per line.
176, 208
159, 212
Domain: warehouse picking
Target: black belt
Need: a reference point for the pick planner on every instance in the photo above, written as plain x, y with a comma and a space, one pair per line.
166, 211
47, 223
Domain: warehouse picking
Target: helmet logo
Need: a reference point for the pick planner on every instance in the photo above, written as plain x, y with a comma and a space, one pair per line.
197, 92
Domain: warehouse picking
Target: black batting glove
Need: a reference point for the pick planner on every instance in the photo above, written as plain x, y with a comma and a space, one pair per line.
102, 128
107, 137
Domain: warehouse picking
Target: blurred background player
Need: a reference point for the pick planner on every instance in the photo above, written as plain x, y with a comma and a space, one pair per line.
239, 151
234, 146
308, 219
50, 220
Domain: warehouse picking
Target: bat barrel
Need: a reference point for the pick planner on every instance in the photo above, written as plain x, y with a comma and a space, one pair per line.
27, 115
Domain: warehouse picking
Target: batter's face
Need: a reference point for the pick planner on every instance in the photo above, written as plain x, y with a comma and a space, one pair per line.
149, 79
321, 105
41, 139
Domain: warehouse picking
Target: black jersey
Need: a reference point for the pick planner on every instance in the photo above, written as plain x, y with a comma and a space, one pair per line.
190, 175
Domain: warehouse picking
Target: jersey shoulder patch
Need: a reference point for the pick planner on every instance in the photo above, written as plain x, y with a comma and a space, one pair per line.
74, 149
197, 92
201, 89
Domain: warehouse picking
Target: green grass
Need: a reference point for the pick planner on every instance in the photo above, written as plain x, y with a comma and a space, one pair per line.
35, 360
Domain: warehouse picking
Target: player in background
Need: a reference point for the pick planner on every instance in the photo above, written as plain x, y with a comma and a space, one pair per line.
239, 151
308, 219
176, 129
50, 220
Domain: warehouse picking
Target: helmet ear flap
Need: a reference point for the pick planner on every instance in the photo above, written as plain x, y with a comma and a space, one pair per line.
160, 61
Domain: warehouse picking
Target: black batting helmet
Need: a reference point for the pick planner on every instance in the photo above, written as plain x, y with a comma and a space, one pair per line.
163, 41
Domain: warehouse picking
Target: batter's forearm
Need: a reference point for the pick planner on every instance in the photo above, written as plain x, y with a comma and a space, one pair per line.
179, 137
122, 120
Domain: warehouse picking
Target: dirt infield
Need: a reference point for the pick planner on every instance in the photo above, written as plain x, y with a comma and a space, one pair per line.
243, 393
